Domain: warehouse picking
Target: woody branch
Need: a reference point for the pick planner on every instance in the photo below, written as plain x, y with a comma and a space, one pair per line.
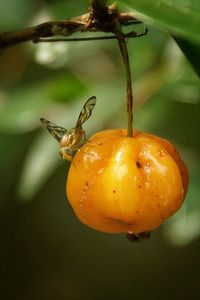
100, 18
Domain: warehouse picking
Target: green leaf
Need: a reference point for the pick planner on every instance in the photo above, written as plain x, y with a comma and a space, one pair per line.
179, 17
191, 51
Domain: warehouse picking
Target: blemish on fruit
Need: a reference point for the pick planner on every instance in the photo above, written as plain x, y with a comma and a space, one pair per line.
162, 153
138, 164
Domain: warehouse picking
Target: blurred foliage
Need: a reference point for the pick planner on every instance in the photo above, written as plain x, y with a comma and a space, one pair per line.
179, 16
192, 52
53, 81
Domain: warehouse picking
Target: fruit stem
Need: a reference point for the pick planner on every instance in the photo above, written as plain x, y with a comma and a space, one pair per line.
129, 92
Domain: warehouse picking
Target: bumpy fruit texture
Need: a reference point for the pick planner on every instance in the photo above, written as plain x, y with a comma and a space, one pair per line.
126, 184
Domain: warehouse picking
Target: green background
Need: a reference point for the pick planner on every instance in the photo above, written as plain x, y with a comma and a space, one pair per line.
46, 253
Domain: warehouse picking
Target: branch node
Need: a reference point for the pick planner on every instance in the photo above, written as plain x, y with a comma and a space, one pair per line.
101, 17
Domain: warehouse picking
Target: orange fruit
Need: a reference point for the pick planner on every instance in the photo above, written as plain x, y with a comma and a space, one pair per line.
126, 184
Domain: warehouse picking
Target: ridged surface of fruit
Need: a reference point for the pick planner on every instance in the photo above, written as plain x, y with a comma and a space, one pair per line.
126, 184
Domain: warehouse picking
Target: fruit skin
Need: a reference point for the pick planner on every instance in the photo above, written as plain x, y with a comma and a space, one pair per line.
126, 184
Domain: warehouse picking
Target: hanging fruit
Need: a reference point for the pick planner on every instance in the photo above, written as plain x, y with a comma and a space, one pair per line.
126, 184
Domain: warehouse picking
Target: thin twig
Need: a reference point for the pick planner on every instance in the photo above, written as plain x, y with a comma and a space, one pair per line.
131, 34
